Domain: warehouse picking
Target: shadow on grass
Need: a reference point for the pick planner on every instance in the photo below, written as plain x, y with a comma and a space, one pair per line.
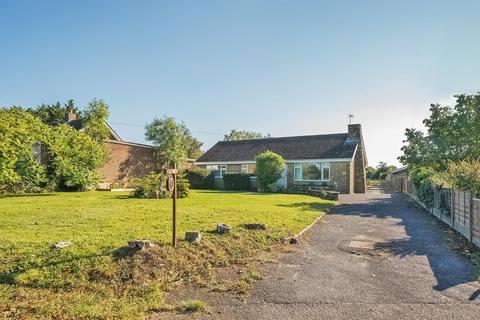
123, 252
308, 206
25, 195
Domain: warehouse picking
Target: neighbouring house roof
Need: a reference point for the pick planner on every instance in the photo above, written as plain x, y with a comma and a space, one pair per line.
399, 170
78, 125
325, 146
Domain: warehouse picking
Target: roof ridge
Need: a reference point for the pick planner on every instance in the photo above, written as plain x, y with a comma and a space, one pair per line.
287, 137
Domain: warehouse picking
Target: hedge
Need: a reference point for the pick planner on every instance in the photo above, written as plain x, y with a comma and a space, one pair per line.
236, 181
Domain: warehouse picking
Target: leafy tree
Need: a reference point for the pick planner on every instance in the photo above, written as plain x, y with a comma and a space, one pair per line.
453, 134
465, 175
54, 114
243, 135
94, 120
75, 159
380, 172
173, 141
268, 169
20, 167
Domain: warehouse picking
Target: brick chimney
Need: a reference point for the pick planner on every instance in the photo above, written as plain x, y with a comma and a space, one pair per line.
71, 115
359, 161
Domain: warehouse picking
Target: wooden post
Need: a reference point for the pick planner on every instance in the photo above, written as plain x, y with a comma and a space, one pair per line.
174, 205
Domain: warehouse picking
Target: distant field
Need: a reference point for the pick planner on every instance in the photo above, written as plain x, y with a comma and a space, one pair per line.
98, 277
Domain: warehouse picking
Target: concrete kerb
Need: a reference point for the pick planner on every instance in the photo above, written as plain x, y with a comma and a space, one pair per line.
294, 239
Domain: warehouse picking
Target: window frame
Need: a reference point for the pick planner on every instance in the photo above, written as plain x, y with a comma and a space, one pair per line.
244, 168
323, 165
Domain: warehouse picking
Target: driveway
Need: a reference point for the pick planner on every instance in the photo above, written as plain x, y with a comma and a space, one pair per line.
410, 273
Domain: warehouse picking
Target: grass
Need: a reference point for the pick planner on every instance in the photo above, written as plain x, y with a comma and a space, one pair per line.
191, 306
99, 277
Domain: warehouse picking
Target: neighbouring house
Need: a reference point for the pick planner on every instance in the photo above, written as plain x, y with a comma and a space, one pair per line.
399, 180
328, 161
126, 161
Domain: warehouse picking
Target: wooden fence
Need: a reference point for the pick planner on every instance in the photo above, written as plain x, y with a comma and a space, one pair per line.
457, 208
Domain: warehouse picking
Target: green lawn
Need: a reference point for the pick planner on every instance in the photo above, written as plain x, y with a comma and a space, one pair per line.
98, 277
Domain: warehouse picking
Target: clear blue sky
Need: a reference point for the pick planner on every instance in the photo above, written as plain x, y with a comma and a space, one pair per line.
278, 67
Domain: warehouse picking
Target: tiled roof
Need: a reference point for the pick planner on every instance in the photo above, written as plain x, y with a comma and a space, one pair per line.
326, 146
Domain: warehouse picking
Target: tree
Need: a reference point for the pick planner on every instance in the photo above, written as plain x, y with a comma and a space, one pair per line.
54, 114
94, 120
173, 141
20, 167
268, 169
380, 172
243, 135
75, 159
453, 134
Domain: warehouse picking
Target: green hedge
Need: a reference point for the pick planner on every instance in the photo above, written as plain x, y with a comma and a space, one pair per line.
236, 181
199, 178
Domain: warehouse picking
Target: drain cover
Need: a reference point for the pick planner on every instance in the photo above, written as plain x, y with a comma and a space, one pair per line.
366, 245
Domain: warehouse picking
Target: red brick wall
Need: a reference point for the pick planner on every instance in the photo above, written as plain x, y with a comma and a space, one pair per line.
126, 162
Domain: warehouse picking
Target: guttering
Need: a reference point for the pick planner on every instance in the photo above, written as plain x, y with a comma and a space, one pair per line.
287, 161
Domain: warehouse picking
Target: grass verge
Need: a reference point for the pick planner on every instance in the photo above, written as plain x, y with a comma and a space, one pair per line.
98, 277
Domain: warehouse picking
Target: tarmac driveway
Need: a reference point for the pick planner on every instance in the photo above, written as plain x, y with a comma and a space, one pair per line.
405, 270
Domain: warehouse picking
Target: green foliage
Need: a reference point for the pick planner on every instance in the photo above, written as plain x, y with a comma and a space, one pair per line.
268, 169
244, 135
380, 172
94, 120
236, 181
453, 134
21, 135
154, 186
465, 175
423, 180
54, 114
199, 178
75, 159
183, 186
173, 141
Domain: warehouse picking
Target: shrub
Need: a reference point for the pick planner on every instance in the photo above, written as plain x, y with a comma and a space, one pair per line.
236, 181
199, 178
423, 180
268, 169
21, 134
183, 186
154, 185
465, 175
75, 159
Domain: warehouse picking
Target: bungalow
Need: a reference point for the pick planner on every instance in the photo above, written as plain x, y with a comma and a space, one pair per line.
126, 160
329, 161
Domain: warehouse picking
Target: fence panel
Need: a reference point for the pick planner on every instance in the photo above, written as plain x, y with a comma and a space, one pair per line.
476, 221
461, 211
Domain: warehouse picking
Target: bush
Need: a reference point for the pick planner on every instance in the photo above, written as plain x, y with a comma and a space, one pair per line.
268, 169
154, 186
423, 180
21, 134
183, 186
236, 181
199, 178
465, 175
75, 159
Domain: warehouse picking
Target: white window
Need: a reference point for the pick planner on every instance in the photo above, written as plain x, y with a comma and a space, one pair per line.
297, 173
223, 169
244, 168
311, 171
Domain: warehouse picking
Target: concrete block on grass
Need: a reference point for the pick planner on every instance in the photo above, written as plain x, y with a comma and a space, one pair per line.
140, 244
222, 228
193, 236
